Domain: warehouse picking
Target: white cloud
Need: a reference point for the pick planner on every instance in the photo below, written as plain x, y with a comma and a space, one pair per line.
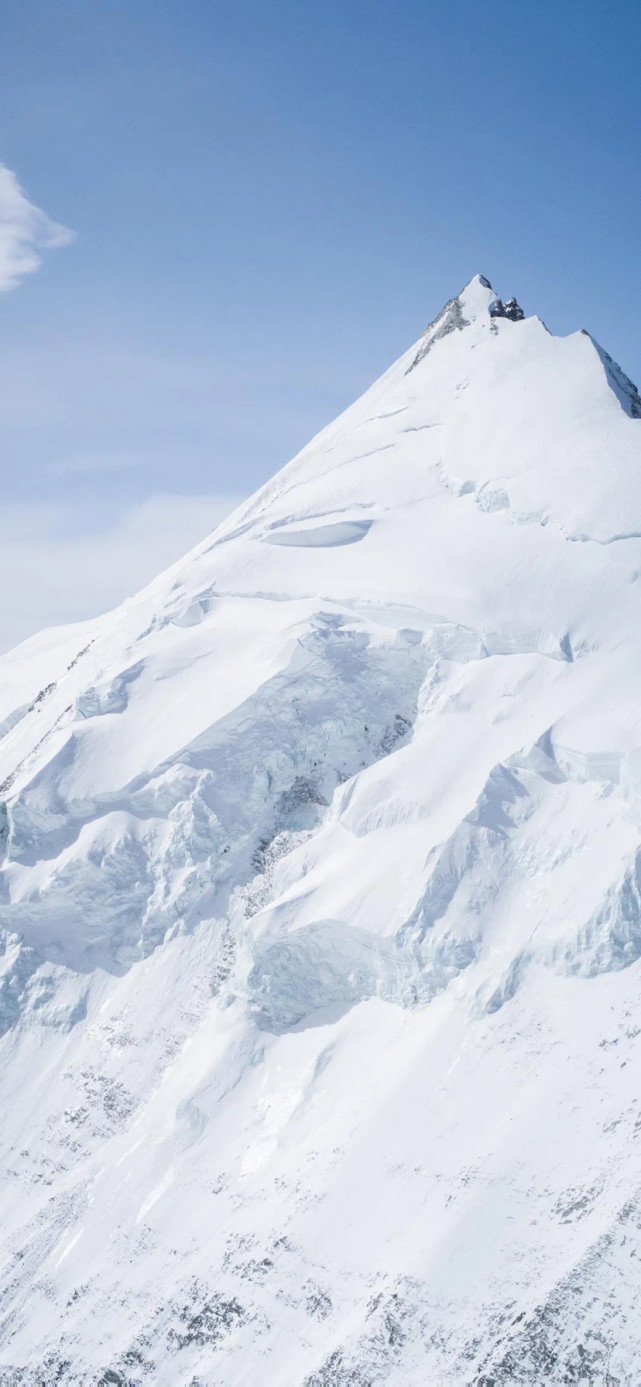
24, 232
48, 578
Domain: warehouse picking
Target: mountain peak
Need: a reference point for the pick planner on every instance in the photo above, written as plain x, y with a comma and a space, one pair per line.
320, 884
476, 301
478, 298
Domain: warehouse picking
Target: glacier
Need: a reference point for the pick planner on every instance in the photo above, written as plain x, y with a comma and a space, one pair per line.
320, 911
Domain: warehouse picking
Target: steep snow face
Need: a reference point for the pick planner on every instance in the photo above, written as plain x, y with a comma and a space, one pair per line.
321, 911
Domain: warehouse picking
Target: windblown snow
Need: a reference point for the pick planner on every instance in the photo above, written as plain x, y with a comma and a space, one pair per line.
321, 912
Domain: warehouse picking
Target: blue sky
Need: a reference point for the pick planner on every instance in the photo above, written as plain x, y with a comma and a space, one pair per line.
269, 201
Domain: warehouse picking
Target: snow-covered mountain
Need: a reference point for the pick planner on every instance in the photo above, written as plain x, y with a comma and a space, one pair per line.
321, 912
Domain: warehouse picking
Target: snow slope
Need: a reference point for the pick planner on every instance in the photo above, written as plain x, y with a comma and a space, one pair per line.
321, 912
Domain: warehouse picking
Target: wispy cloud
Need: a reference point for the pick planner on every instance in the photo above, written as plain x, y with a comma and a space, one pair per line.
25, 231
57, 570
92, 464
